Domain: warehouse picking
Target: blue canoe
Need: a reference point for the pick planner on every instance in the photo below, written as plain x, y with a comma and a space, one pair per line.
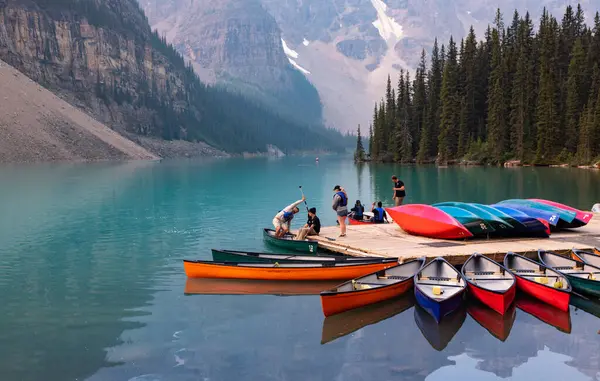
566, 217
551, 218
523, 223
439, 288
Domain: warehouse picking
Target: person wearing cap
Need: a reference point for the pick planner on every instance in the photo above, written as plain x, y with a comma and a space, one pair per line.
312, 227
340, 206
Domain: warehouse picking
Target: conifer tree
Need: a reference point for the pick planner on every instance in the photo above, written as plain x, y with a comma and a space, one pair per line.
429, 133
419, 101
374, 143
371, 140
497, 125
450, 104
574, 102
359, 153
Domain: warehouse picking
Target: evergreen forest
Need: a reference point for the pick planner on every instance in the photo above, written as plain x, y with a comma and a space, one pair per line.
523, 93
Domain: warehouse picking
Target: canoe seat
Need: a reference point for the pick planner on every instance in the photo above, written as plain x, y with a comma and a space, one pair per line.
565, 267
395, 277
483, 272
440, 284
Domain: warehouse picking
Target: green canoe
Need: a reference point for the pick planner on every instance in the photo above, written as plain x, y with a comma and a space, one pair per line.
288, 242
475, 224
251, 257
502, 227
584, 278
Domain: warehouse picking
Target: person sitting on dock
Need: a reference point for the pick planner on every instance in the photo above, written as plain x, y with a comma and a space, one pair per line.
312, 227
358, 211
283, 219
379, 214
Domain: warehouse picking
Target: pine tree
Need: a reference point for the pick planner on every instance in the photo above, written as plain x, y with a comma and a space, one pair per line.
574, 100
468, 63
429, 133
584, 151
497, 125
419, 102
548, 119
521, 114
359, 153
374, 143
390, 109
450, 103
371, 140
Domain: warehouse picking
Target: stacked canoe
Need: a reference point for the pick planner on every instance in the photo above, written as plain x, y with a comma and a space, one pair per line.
515, 217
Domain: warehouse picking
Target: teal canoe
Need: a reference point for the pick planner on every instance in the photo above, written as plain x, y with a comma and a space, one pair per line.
252, 257
584, 278
500, 226
475, 224
288, 242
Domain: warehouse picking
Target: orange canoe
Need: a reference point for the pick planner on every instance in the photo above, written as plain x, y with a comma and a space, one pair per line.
213, 286
372, 288
283, 271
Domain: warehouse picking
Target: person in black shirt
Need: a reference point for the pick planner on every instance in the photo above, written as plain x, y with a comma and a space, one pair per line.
399, 191
312, 227
357, 211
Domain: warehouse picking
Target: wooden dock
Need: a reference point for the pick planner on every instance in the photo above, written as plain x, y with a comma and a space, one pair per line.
388, 240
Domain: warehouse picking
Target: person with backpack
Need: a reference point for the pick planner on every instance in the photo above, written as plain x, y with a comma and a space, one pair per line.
379, 214
283, 219
340, 206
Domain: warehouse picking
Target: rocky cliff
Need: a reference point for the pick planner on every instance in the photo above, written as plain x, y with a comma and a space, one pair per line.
237, 44
102, 56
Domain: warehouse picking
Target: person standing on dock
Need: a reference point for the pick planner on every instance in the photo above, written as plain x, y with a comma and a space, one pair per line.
283, 219
340, 205
399, 191
312, 227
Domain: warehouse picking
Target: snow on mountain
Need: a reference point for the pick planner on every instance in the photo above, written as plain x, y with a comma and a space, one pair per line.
388, 28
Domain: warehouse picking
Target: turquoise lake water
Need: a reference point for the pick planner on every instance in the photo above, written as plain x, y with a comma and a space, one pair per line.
92, 284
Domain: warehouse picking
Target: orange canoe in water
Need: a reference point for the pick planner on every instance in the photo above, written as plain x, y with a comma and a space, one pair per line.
284, 271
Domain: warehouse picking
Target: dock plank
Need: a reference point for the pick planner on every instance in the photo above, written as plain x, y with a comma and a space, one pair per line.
388, 240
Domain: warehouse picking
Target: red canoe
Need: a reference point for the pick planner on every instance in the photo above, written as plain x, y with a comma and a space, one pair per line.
352, 221
560, 320
539, 281
490, 282
498, 326
427, 221
376, 287
582, 216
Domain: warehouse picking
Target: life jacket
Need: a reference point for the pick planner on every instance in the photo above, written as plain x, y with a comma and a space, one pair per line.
288, 216
344, 201
379, 216
359, 211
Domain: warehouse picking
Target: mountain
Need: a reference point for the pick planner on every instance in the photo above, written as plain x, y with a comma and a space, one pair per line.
102, 56
345, 48
238, 45
36, 125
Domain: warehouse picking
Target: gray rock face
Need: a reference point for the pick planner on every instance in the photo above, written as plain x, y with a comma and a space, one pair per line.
238, 45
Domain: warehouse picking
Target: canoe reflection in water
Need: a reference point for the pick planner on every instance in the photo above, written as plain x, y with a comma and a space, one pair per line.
559, 319
440, 334
215, 286
589, 305
342, 324
498, 325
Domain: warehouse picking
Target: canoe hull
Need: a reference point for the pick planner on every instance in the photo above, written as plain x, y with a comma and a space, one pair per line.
553, 297
310, 247
438, 309
584, 286
499, 302
251, 257
210, 270
427, 221
335, 303
581, 217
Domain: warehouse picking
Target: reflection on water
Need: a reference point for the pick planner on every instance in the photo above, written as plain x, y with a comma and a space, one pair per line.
92, 284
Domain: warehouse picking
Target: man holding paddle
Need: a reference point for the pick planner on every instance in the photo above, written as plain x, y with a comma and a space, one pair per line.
283, 219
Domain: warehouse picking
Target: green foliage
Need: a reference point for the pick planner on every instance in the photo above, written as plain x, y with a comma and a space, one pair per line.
516, 94
359, 153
